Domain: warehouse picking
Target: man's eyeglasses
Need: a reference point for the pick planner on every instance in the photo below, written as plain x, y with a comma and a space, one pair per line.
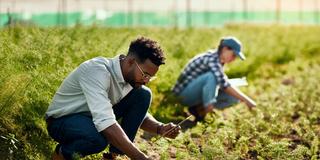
145, 76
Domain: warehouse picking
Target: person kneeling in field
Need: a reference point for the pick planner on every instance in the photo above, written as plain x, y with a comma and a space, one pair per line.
83, 114
203, 85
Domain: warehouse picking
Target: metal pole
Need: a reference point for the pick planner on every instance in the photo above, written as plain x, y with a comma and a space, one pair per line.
231, 17
207, 13
188, 17
13, 19
64, 10
316, 12
278, 10
300, 11
106, 10
14, 10
79, 12
129, 16
0, 12
175, 7
245, 9
59, 13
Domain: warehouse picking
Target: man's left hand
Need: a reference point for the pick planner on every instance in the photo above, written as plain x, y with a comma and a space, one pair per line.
170, 130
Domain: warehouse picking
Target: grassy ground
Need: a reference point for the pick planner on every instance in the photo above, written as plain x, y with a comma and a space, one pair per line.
282, 67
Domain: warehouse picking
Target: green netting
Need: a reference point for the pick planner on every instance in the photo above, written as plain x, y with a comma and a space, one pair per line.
182, 19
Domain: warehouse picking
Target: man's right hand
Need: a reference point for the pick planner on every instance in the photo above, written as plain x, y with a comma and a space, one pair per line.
117, 137
170, 130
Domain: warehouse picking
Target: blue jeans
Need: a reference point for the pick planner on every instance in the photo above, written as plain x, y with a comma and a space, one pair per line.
77, 134
203, 90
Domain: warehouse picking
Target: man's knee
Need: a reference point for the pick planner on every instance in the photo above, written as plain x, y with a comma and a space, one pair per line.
210, 77
143, 94
95, 144
99, 143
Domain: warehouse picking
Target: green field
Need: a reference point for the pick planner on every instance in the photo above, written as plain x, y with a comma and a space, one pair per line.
282, 67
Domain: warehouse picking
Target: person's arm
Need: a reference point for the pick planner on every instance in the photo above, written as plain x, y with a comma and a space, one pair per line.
222, 79
233, 91
151, 125
120, 140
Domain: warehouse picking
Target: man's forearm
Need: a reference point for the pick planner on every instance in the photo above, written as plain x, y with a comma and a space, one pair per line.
150, 124
120, 140
236, 93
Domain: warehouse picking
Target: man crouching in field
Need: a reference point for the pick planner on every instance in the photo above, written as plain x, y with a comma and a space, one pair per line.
83, 114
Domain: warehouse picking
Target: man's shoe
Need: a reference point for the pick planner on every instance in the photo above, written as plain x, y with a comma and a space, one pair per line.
109, 156
56, 156
57, 153
194, 111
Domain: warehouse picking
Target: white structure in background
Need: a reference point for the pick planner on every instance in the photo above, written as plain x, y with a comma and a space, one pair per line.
53, 6
102, 9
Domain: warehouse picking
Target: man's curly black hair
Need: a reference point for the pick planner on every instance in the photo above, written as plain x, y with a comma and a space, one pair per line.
145, 48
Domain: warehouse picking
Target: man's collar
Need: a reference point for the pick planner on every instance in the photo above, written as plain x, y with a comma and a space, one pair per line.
117, 69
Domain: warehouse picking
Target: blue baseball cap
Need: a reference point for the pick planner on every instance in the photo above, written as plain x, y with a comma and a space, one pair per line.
234, 44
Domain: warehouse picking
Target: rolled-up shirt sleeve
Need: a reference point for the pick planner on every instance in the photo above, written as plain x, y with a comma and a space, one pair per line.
95, 83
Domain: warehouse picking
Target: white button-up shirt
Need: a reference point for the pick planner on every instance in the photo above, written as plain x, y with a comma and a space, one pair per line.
94, 87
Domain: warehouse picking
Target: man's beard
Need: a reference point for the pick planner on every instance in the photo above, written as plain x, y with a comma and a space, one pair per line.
134, 83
